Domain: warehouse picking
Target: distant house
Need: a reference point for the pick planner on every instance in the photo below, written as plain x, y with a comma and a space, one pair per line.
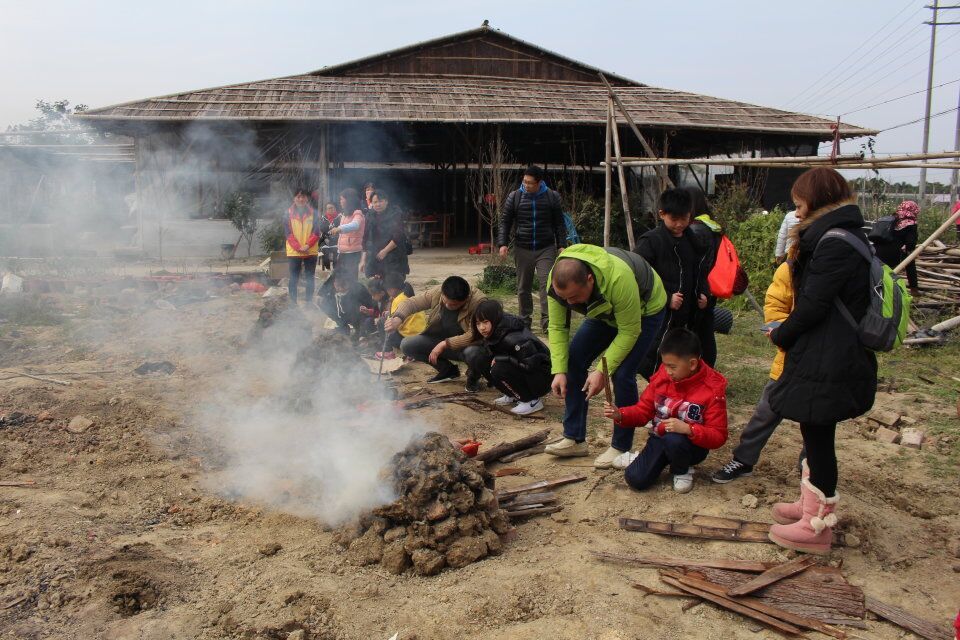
417, 121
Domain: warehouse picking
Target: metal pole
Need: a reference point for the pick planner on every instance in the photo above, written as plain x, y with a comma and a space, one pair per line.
926, 118
956, 141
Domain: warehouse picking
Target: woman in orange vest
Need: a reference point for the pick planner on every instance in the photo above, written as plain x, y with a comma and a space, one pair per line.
302, 227
349, 234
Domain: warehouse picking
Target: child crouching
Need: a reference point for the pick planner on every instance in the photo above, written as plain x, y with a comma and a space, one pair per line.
686, 406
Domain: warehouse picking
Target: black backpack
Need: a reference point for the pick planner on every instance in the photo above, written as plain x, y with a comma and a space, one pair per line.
882, 230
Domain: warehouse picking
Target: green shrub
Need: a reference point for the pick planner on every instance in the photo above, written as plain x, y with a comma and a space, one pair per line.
498, 277
272, 237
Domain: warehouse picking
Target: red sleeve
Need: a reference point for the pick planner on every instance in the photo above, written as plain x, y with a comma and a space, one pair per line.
312, 240
640, 413
713, 432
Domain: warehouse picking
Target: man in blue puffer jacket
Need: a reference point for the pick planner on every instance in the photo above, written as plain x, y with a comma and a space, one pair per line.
534, 213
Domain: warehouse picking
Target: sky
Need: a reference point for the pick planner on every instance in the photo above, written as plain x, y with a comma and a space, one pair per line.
825, 57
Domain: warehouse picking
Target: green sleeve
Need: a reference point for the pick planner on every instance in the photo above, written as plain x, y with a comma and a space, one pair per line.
559, 335
627, 308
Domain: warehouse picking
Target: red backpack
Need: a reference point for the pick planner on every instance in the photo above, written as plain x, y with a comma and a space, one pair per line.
727, 278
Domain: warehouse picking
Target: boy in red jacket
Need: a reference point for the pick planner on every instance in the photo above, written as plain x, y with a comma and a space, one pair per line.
686, 406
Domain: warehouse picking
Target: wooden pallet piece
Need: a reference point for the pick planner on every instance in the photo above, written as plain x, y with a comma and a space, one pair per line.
775, 574
908, 621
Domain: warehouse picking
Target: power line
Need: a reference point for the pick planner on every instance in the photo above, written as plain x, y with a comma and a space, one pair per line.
869, 39
897, 126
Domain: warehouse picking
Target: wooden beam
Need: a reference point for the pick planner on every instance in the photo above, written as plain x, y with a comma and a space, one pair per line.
772, 575
623, 186
542, 484
608, 177
507, 448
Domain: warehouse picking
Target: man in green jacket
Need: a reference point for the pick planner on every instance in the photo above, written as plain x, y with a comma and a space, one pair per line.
624, 303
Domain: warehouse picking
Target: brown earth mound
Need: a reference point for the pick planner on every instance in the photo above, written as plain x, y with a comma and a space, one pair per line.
446, 516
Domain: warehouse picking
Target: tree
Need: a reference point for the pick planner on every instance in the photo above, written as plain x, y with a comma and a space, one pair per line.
490, 185
55, 124
238, 209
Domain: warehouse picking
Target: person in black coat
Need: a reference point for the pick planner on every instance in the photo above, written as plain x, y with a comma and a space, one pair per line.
534, 213
680, 258
902, 242
385, 240
349, 304
828, 375
517, 363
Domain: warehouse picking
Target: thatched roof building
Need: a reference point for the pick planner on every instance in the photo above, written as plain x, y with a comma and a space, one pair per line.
435, 105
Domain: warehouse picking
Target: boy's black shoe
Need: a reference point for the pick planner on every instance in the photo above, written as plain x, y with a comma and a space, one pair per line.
731, 471
473, 385
445, 376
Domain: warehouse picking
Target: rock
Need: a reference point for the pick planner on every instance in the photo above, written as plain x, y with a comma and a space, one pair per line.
494, 544
466, 550
912, 438
887, 436
427, 562
299, 634
462, 498
954, 547
852, 540
749, 501
500, 523
395, 558
394, 534
436, 511
468, 524
347, 534
486, 499
44, 416
368, 548
445, 528
79, 424
270, 549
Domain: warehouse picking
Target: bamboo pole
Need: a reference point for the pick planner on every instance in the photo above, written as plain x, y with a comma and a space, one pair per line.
841, 160
608, 178
936, 234
808, 165
664, 178
623, 185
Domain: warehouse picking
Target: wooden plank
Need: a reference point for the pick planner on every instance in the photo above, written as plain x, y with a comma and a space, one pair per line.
663, 561
839, 539
770, 576
692, 531
507, 448
542, 484
528, 498
908, 621
534, 512
731, 605
532, 451
757, 605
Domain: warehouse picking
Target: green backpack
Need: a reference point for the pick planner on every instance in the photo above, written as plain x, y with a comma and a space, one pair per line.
884, 325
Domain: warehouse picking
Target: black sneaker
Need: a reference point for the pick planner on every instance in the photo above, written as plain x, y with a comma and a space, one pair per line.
731, 471
473, 385
445, 376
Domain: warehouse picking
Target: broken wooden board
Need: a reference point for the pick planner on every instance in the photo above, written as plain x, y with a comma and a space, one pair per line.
509, 471
542, 484
663, 561
545, 497
819, 592
507, 448
772, 575
839, 539
908, 621
534, 511
532, 451
756, 604
692, 531
731, 605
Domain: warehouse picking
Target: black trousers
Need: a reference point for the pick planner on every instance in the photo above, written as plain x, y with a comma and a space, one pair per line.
306, 266
820, 442
419, 347
512, 379
673, 449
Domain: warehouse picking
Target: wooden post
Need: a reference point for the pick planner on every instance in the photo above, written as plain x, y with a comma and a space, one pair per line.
324, 167
623, 181
936, 234
636, 131
608, 177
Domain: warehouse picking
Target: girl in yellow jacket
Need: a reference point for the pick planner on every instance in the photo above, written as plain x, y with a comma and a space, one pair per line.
414, 324
777, 306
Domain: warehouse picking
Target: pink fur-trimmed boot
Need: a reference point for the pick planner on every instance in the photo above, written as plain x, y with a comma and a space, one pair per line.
813, 533
790, 512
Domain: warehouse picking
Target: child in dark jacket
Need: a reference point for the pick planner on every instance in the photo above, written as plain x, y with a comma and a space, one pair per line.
680, 259
686, 406
348, 303
518, 363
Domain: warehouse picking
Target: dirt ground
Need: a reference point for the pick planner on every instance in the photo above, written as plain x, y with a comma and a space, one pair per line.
121, 536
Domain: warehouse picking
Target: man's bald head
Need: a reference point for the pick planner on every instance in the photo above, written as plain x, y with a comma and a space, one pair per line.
573, 280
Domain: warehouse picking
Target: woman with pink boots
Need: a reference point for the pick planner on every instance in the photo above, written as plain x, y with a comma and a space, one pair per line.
828, 375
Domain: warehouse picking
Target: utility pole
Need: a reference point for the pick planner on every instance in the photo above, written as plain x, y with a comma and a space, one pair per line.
956, 145
926, 117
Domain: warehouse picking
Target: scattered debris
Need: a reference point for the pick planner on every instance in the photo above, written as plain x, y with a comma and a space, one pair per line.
912, 438
447, 514
270, 549
163, 367
16, 419
908, 621
24, 374
887, 436
508, 448
883, 418
712, 528
79, 424
772, 575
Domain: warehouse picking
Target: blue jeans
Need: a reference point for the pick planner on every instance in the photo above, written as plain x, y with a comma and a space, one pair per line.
309, 268
590, 341
673, 449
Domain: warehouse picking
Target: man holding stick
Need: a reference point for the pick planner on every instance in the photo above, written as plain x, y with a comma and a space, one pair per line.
623, 300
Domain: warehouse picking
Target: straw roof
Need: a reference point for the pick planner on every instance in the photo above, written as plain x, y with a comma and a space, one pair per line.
351, 93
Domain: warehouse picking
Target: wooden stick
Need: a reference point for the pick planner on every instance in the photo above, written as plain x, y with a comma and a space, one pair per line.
508, 448
947, 325
545, 497
755, 604
532, 451
534, 512
933, 236
624, 197
663, 561
18, 483
731, 605
908, 621
62, 383
542, 484
770, 576
607, 393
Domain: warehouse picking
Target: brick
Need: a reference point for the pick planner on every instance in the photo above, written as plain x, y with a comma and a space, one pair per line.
912, 438
79, 424
888, 436
887, 419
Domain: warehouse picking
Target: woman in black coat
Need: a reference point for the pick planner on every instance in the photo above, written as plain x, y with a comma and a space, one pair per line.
828, 375
902, 242
516, 362
385, 242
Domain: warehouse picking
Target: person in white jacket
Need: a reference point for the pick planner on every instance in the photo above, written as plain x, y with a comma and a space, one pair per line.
784, 238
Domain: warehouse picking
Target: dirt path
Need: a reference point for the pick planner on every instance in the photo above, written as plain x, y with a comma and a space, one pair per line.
122, 537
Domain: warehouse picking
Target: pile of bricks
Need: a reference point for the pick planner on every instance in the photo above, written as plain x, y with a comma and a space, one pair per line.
893, 428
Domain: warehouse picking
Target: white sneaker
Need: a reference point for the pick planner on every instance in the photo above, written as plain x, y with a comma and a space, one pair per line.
623, 460
526, 408
504, 400
605, 459
683, 482
567, 448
